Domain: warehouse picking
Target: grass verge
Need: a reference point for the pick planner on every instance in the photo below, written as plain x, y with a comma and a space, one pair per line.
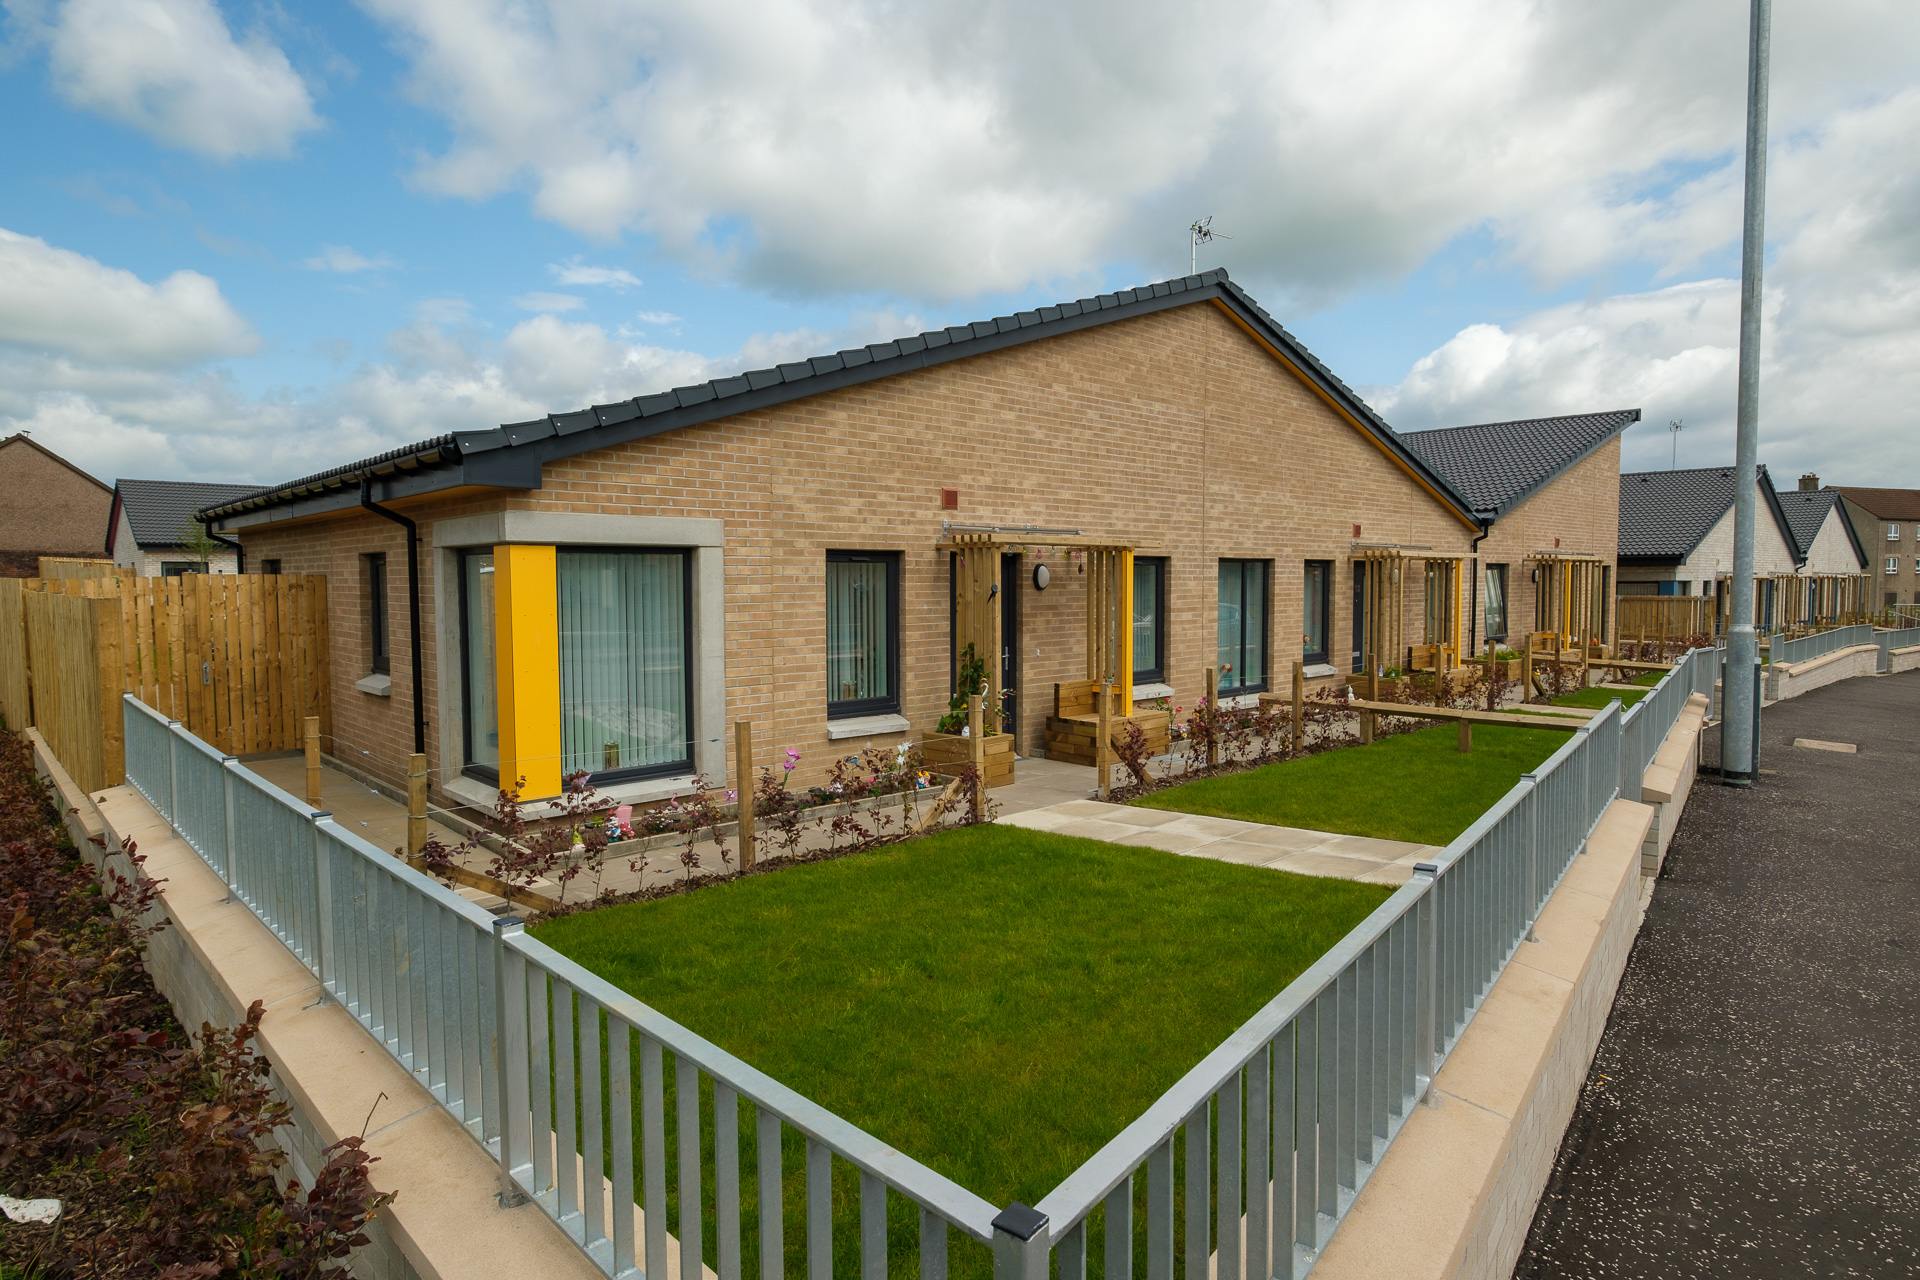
1413, 786
995, 1002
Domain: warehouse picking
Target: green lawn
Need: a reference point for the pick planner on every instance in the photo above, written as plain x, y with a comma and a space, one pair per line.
995, 1002
1648, 678
1414, 786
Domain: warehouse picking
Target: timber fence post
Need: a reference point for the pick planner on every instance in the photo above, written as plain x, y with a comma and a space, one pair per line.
743, 790
312, 744
1102, 733
1213, 710
1299, 700
977, 751
416, 805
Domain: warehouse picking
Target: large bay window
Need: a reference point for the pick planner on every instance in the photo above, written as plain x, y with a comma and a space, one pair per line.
863, 633
625, 682
1243, 626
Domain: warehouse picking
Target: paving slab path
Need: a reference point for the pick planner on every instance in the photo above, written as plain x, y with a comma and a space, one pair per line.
1754, 1106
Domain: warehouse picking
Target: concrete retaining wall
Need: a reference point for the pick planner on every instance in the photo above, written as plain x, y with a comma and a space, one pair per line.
1791, 679
1907, 659
1456, 1194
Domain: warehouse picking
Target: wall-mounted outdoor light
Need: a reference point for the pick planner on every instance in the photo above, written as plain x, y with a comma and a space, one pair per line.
1041, 577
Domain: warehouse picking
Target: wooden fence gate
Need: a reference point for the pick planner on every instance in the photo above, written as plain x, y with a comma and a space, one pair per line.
239, 659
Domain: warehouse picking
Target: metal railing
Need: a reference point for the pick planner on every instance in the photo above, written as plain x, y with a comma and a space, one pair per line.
504, 1032
1281, 1125
1645, 725
1891, 640
1820, 642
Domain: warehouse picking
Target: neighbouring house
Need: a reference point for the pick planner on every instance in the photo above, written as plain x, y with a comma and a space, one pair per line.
612, 589
1888, 521
1676, 537
151, 521
1544, 487
48, 507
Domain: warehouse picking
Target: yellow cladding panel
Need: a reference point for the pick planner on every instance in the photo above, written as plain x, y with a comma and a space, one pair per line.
526, 625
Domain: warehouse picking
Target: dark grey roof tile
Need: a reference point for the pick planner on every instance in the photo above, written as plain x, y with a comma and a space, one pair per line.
759, 378
734, 386
157, 510
1496, 465
658, 402
619, 411
699, 393
579, 420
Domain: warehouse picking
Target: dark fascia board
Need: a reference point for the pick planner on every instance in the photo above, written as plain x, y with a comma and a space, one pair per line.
1780, 519
1514, 502
513, 454
1654, 562
503, 470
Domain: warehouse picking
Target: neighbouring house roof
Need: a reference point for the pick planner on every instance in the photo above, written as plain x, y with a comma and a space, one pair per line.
511, 455
1806, 511
1498, 465
158, 509
1888, 504
1665, 514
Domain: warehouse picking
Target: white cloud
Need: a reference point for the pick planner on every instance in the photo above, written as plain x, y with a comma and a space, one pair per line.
573, 271
542, 301
969, 147
347, 261
173, 70
657, 317
1840, 369
65, 303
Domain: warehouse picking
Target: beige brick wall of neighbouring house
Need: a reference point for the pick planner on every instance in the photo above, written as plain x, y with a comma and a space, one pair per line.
1173, 431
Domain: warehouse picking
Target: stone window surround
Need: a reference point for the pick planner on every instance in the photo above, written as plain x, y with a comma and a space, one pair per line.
707, 540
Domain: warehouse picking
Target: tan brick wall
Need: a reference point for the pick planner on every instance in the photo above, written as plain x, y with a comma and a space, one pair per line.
1174, 431
49, 508
1580, 508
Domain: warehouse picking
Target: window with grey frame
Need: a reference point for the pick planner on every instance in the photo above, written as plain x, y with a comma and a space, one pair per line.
379, 656
1242, 631
1149, 619
626, 672
1316, 612
1496, 612
863, 633
479, 692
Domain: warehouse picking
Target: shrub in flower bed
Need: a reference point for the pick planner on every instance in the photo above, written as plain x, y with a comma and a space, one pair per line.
579, 842
155, 1144
1242, 738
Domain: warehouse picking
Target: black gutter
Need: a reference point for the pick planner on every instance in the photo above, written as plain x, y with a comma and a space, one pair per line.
413, 609
1473, 595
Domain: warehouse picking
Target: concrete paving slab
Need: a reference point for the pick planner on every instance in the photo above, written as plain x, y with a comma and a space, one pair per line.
1170, 841
1218, 828
1370, 847
1331, 865
1291, 839
1240, 851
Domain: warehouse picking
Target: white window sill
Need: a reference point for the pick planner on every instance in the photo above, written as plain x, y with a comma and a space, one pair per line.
1319, 671
1143, 692
478, 795
1237, 702
377, 685
866, 727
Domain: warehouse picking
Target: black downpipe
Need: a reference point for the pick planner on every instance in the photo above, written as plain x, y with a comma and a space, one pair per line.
413, 609
1473, 594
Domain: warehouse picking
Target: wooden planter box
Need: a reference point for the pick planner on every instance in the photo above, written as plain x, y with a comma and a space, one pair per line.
943, 752
1072, 738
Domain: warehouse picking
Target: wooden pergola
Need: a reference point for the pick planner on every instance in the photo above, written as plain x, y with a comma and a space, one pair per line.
977, 606
1384, 570
1569, 598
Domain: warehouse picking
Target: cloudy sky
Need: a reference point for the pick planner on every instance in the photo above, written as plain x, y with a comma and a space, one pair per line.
243, 240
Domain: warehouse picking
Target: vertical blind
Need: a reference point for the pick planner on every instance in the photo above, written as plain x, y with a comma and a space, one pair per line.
859, 647
1243, 623
483, 712
623, 660
1146, 616
1313, 635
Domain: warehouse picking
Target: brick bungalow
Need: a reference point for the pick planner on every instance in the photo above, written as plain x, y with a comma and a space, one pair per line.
48, 507
612, 588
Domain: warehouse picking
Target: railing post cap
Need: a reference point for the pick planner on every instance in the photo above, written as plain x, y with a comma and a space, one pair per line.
1428, 869
1020, 1220
508, 924
318, 814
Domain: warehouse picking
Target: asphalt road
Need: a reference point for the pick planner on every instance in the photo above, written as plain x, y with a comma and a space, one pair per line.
1754, 1107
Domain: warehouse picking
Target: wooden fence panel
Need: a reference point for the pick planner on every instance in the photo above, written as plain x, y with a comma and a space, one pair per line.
74, 567
1652, 617
16, 702
76, 673
237, 659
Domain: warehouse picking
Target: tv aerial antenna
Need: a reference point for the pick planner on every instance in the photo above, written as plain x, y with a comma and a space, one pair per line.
1674, 428
1201, 232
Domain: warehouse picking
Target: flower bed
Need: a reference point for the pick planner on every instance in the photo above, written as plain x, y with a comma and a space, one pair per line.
153, 1148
